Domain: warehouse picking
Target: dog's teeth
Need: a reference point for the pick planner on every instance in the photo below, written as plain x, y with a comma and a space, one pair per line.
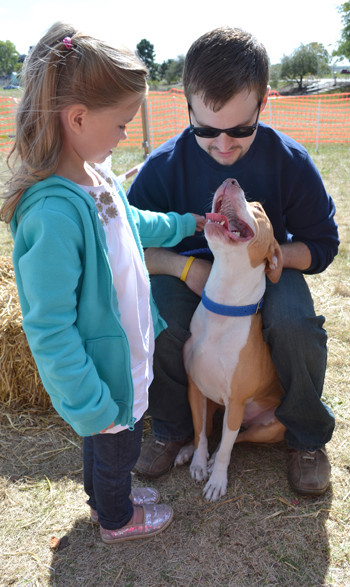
222, 223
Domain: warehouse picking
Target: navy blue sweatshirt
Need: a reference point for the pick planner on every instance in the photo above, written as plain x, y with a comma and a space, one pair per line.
278, 172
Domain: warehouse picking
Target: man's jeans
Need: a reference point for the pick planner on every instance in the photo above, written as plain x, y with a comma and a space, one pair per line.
298, 345
108, 461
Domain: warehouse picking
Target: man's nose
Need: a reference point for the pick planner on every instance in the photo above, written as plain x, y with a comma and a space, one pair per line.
223, 142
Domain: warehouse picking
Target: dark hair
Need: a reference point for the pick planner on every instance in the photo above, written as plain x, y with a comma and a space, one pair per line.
223, 63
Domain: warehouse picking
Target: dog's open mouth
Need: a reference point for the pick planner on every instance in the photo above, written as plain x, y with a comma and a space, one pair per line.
226, 216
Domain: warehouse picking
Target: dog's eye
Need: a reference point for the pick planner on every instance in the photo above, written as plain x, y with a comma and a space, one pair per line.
257, 207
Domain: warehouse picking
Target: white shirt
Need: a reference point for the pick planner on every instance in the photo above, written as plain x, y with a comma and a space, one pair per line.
131, 284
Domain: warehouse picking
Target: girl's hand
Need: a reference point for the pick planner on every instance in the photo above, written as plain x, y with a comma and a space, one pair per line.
108, 428
200, 221
105, 429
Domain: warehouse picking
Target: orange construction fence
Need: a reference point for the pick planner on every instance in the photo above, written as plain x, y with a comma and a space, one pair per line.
307, 119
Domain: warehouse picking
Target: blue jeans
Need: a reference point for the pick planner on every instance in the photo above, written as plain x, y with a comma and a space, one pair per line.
108, 461
299, 352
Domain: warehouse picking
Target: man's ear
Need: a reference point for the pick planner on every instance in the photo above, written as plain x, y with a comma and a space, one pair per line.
75, 117
274, 262
264, 102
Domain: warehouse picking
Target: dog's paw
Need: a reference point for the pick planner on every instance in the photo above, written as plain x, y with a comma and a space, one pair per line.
216, 487
198, 467
184, 455
198, 471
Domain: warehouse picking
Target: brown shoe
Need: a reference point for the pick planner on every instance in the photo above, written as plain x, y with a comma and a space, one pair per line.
157, 457
309, 472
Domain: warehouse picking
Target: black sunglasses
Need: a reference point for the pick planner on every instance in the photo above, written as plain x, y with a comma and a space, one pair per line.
236, 132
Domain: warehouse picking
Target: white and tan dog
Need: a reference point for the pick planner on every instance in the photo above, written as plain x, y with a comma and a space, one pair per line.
226, 359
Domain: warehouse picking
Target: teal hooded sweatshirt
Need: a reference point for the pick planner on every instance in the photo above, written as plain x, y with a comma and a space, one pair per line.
69, 304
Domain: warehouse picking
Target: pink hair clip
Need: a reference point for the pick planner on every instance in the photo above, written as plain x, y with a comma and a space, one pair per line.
67, 42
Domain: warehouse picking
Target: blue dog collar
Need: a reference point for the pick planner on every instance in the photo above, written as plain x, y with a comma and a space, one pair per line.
205, 251
231, 310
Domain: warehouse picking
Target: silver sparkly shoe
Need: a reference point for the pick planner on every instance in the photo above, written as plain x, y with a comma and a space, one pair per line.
155, 519
138, 496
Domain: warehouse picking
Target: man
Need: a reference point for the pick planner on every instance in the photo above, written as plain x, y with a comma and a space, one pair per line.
225, 82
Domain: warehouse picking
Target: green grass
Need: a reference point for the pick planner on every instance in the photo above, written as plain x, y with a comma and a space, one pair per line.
10, 93
124, 159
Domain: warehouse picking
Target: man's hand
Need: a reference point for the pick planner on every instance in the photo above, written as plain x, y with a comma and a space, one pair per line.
198, 275
296, 256
163, 262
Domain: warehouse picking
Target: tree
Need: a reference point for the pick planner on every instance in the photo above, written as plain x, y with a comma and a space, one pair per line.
163, 68
343, 49
8, 57
147, 54
275, 75
311, 59
171, 70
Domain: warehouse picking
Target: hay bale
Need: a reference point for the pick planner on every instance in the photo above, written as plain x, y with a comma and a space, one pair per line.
20, 383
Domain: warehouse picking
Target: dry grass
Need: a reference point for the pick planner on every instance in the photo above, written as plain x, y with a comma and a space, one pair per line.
19, 379
260, 534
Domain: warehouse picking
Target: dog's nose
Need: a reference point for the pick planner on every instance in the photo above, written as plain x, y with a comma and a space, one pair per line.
230, 181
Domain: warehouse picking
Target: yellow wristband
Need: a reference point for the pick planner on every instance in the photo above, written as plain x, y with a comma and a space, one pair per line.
187, 268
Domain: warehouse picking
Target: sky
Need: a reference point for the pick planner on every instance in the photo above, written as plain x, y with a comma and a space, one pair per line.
172, 27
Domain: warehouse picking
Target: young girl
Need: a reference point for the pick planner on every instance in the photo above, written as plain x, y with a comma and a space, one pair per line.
84, 291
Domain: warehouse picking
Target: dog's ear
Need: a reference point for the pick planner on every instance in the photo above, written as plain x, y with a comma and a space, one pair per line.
274, 262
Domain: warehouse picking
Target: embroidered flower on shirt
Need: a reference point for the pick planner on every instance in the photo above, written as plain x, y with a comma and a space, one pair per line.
104, 219
106, 198
105, 202
112, 211
101, 173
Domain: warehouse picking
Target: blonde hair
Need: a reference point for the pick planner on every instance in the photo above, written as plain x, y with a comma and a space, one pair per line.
57, 75
222, 63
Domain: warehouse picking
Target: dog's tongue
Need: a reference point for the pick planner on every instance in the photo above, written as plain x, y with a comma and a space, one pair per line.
217, 218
